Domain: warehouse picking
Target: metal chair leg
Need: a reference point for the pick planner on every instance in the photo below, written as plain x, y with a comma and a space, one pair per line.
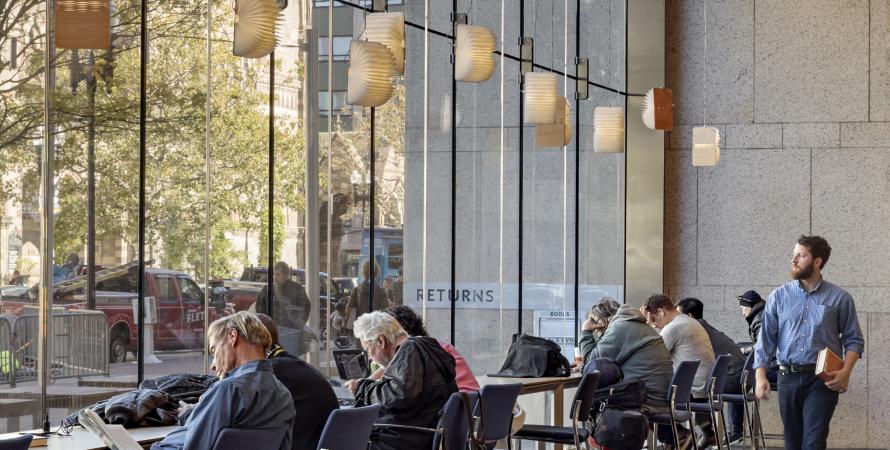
759, 424
723, 426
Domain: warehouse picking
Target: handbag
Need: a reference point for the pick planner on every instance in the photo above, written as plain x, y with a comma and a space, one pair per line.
532, 356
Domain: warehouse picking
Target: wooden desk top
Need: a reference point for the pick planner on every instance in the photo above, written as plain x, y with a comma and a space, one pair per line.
533, 385
81, 439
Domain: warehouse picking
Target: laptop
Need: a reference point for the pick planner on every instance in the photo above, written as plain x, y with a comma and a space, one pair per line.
114, 437
351, 364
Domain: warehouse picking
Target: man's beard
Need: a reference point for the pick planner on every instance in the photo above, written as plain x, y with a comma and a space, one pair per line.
801, 273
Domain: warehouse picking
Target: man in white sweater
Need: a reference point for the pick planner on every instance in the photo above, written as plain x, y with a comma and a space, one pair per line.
687, 340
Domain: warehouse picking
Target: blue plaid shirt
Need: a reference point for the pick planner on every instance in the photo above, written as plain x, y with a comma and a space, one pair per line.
800, 324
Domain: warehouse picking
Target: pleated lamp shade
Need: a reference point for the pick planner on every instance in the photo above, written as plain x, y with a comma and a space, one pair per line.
83, 24
389, 30
540, 98
474, 60
658, 109
559, 133
705, 146
256, 24
369, 81
608, 129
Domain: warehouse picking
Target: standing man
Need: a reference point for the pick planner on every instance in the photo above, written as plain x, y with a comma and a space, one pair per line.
290, 304
802, 317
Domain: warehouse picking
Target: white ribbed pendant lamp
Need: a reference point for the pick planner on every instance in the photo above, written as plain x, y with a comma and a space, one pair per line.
388, 28
474, 60
369, 74
256, 25
705, 146
608, 129
540, 98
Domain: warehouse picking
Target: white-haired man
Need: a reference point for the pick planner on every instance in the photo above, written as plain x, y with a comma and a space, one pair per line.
417, 379
248, 395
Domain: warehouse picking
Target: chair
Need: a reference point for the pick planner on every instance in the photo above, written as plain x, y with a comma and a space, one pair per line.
17, 443
239, 438
453, 428
714, 405
678, 399
495, 409
749, 402
580, 412
348, 429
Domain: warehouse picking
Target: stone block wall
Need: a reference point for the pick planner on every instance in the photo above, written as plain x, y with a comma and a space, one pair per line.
799, 91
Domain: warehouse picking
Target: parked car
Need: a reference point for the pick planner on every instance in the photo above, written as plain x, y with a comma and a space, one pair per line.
244, 292
179, 301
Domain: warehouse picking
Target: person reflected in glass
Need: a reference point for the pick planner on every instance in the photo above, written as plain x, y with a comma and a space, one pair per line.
361, 295
290, 304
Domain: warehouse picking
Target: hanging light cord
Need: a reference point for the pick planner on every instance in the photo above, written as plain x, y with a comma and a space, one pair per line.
704, 102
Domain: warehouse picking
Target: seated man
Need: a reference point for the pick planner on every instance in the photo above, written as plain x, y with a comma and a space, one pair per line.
722, 345
687, 340
313, 396
412, 389
413, 325
248, 395
620, 332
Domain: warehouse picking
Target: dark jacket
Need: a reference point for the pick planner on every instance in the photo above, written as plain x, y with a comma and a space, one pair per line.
755, 319
361, 298
723, 345
290, 304
141, 408
314, 399
637, 348
414, 388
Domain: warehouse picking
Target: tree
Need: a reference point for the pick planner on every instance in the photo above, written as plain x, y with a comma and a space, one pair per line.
177, 96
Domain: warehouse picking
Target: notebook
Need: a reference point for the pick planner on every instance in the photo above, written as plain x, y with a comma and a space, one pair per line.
827, 361
351, 364
114, 437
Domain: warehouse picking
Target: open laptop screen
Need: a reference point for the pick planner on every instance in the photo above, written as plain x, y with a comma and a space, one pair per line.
351, 364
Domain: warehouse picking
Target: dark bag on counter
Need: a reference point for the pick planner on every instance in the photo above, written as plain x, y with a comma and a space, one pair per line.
531, 356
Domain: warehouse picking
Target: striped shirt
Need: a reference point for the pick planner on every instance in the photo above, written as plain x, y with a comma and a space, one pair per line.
799, 324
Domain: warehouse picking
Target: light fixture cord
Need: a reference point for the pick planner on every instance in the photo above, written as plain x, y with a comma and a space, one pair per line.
552, 34
704, 102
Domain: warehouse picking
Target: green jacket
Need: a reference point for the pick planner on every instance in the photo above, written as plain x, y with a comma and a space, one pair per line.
637, 348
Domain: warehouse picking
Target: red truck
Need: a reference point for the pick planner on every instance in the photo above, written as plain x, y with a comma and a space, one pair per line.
180, 307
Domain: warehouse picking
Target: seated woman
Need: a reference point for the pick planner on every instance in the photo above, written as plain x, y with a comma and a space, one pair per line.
417, 380
413, 325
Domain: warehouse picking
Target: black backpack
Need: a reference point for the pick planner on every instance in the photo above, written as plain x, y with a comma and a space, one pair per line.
531, 356
617, 422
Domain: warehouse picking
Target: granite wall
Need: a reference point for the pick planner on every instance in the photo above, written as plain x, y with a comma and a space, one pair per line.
799, 91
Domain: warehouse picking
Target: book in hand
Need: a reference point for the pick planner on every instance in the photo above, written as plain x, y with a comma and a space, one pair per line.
827, 362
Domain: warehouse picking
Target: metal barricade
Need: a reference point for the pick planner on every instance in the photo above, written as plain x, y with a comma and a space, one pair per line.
78, 346
7, 350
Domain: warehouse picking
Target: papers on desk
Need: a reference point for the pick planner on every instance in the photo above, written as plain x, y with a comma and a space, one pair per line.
115, 437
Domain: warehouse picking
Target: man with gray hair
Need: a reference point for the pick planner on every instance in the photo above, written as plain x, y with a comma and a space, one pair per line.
248, 395
417, 379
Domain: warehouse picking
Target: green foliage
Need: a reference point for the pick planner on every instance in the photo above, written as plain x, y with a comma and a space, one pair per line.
175, 160
277, 235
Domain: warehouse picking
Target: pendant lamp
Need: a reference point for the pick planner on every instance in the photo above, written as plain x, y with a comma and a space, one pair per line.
474, 60
608, 129
389, 29
369, 74
540, 98
705, 146
256, 25
559, 133
83, 24
658, 109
